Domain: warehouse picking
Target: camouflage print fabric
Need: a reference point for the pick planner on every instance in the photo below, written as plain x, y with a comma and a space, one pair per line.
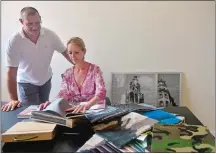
182, 138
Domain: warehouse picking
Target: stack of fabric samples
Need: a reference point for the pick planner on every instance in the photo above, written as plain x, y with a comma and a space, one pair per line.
102, 148
117, 111
99, 145
130, 127
129, 133
93, 142
140, 144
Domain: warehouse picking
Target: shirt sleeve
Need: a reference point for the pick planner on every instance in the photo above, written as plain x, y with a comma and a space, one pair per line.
64, 89
12, 55
58, 44
100, 85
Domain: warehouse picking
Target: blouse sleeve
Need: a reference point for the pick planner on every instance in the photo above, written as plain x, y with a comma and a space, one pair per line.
64, 89
100, 85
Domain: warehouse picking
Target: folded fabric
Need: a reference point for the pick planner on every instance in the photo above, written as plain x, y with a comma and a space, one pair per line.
116, 111
102, 148
91, 143
97, 144
131, 126
163, 117
140, 144
182, 138
169, 121
106, 125
182, 118
158, 115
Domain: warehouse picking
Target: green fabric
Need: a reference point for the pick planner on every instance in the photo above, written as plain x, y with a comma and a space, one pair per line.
182, 138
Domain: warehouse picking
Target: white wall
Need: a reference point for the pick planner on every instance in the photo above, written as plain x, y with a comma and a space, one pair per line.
128, 36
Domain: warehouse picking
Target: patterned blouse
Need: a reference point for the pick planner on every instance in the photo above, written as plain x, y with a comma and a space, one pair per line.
93, 85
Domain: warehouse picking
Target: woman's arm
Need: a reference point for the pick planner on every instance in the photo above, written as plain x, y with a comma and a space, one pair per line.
64, 92
100, 92
94, 101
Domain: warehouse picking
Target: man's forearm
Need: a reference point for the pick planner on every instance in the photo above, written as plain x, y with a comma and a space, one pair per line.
67, 57
12, 87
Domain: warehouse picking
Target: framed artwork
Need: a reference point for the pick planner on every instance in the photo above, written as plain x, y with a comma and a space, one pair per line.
160, 89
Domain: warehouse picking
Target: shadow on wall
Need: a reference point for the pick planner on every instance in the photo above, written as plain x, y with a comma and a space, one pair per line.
185, 92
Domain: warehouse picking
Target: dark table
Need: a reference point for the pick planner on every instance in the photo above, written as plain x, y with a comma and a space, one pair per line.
61, 142
67, 143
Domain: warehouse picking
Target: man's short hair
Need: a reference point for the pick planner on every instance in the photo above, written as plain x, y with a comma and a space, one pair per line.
29, 11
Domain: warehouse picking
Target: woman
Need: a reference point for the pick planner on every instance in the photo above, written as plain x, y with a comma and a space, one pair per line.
83, 82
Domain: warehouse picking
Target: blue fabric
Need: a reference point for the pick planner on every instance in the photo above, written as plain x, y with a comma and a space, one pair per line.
158, 115
170, 121
163, 117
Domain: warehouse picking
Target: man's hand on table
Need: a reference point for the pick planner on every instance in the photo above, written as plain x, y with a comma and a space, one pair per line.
11, 105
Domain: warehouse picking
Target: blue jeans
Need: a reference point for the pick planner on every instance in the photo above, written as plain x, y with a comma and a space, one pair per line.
32, 94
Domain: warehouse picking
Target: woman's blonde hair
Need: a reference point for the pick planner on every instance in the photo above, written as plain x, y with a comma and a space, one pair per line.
78, 41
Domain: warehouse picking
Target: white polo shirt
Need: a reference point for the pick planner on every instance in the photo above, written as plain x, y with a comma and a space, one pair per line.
33, 60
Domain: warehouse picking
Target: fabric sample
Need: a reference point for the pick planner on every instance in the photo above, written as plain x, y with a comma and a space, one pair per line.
182, 138
116, 111
158, 115
130, 127
163, 117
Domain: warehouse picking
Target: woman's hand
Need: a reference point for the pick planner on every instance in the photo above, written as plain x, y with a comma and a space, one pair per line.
44, 105
79, 108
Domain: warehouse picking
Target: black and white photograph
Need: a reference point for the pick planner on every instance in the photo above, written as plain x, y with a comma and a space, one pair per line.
157, 89
169, 89
134, 88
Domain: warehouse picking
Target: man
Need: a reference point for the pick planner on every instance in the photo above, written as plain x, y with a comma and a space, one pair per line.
28, 56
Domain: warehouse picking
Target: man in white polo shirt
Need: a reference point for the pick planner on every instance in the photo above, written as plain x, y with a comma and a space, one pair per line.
28, 57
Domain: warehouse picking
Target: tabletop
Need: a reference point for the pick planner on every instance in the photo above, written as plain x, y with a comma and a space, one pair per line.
67, 143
